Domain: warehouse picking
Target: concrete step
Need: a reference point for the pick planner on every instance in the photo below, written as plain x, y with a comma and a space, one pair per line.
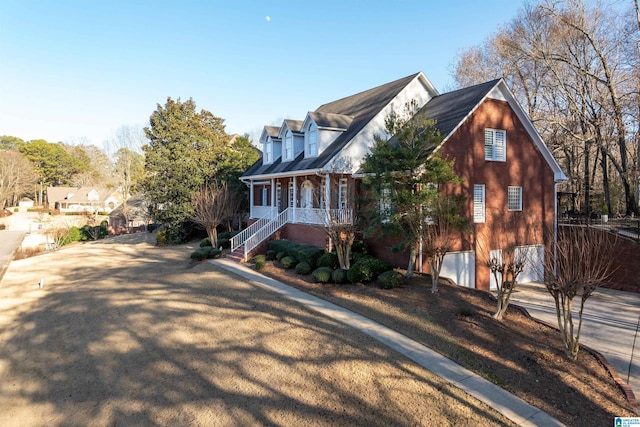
237, 255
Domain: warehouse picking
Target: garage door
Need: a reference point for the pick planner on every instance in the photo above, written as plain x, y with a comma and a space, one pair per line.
460, 267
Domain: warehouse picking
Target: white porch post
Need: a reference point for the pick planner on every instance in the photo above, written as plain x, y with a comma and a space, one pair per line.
273, 197
251, 199
295, 197
327, 196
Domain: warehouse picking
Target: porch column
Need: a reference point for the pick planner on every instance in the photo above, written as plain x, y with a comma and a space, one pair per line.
295, 197
251, 199
273, 197
327, 196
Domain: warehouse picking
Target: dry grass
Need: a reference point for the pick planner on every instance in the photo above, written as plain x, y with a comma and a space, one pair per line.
519, 354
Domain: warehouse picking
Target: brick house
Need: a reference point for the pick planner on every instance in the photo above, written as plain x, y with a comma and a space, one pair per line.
309, 167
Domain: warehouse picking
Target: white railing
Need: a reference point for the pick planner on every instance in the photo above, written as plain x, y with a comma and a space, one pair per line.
238, 239
322, 216
268, 212
267, 230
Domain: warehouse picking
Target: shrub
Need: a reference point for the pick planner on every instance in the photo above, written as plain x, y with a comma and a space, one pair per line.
205, 242
280, 245
360, 247
199, 254
339, 275
367, 269
306, 253
260, 264
280, 255
213, 252
288, 262
329, 259
228, 234
271, 255
225, 243
303, 268
259, 258
390, 279
73, 235
16, 209
161, 238
3, 226
322, 274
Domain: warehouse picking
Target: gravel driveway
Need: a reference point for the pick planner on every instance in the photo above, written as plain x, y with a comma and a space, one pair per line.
126, 333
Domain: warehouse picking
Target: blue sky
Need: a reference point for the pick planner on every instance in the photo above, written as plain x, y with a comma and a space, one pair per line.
75, 71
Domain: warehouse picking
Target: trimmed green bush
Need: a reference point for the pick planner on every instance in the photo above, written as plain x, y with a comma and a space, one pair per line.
271, 254
288, 262
303, 268
199, 255
280, 255
339, 275
228, 234
225, 243
367, 269
280, 245
328, 259
390, 279
161, 238
322, 274
260, 261
205, 242
73, 235
213, 252
300, 252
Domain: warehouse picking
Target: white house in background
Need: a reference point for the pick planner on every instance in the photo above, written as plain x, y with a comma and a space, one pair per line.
83, 199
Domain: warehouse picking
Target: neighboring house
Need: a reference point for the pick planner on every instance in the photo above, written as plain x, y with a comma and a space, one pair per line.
130, 216
83, 199
309, 167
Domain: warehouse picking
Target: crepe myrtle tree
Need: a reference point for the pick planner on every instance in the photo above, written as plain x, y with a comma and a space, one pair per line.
578, 263
507, 253
403, 182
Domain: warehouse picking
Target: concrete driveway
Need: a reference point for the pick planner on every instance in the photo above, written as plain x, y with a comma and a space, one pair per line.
611, 320
9, 241
126, 333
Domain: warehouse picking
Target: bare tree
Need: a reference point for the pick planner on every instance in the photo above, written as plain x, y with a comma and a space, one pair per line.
580, 261
17, 176
507, 255
438, 233
210, 207
339, 227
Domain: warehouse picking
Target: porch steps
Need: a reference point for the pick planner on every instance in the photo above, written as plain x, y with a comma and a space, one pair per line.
237, 255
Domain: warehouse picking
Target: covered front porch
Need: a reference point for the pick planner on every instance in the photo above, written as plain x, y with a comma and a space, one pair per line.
319, 199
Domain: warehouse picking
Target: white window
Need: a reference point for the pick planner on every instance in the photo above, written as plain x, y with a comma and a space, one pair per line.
495, 145
288, 146
385, 204
268, 153
514, 198
478, 203
312, 140
290, 190
265, 196
342, 194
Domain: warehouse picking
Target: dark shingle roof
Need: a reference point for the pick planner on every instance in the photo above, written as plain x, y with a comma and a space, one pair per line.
294, 125
331, 120
362, 106
449, 109
273, 131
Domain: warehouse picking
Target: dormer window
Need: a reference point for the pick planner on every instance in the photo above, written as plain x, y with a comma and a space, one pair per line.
288, 146
268, 152
312, 140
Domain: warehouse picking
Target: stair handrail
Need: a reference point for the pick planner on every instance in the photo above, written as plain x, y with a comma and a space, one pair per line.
239, 239
267, 230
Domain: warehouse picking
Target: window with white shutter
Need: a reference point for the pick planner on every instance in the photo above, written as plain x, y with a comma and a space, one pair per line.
478, 203
495, 145
288, 146
342, 194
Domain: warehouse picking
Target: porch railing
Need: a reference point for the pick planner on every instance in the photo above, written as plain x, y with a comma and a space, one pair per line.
267, 230
264, 212
322, 216
238, 239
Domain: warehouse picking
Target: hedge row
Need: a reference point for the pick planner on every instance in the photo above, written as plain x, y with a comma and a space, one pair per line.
299, 252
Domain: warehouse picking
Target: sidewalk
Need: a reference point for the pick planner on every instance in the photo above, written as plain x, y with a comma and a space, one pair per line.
610, 324
502, 401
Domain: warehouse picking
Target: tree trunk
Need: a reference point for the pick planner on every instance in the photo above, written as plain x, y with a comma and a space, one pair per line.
412, 261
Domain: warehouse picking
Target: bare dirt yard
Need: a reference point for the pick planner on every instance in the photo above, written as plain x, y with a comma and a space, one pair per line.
126, 333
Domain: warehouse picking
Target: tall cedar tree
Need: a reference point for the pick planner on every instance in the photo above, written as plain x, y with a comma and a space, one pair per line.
186, 150
402, 184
